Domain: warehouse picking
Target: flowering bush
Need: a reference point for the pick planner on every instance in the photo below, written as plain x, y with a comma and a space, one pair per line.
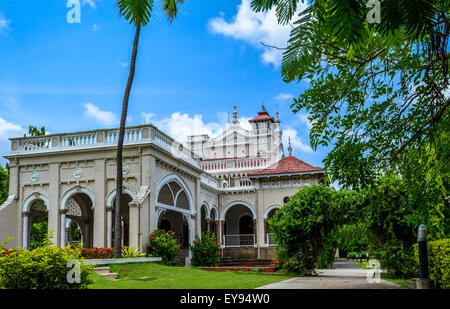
46, 267
97, 253
164, 245
205, 251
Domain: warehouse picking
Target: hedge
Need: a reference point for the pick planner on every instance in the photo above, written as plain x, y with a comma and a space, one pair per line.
438, 262
97, 253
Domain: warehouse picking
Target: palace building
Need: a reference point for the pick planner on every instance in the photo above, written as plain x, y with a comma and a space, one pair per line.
228, 184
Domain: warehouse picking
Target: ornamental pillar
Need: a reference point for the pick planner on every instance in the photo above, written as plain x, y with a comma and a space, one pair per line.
25, 240
63, 227
109, 210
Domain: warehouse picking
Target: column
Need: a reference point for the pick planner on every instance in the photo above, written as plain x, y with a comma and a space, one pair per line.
53, 203
133, 228
208, 225
254, 232
109, 224
260, 218
63, 227
197, 206
99, 207
25, 240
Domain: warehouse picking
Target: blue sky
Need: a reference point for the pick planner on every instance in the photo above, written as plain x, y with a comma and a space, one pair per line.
71, 77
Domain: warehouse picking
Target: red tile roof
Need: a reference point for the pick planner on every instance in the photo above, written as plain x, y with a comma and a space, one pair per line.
261, 115
287, 165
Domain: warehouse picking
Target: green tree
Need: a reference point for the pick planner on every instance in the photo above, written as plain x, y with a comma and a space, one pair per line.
137, 13
304, 227
376, 90
4, 183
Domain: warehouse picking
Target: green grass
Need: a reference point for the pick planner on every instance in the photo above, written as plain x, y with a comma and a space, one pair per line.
167, 277
401, 282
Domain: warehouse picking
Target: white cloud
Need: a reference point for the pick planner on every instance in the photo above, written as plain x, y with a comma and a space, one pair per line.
9, 129
95, 27
284, 96
91, 3
104, 117
296, 141
304, 119
123, 64
255, 28
180, 125
4, 23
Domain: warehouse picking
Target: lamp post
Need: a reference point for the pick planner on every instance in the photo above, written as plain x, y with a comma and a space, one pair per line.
424, 282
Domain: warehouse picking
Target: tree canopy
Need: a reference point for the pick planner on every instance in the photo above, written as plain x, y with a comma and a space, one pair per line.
377, 90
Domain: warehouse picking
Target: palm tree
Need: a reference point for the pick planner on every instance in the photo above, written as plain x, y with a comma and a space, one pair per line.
138, 13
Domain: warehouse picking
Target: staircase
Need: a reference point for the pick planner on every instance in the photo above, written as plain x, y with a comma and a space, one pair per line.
229, 261
105, 272
184, 253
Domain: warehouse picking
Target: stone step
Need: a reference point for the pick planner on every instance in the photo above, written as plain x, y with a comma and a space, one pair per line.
110, 276
102, 270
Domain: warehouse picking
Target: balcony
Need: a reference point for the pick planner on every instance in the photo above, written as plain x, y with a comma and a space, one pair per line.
97, 139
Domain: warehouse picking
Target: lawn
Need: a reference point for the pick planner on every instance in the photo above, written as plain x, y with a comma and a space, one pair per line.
166, 277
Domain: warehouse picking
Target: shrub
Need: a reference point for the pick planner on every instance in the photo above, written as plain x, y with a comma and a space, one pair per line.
205, 251
438, 262
303, 228
164, 245
97, 253
45, 267
352, 238
131, 253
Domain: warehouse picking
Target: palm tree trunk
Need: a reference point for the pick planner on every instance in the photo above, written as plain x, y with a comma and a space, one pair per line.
123, 117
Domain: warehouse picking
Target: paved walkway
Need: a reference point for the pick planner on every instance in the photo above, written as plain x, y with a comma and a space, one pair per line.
344, 275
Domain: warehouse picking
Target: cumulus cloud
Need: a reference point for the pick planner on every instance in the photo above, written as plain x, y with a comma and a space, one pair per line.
123, 64
180, 125
103, 117
304, 119
296, 141
284, 96
4, 23
8, 130
255, 28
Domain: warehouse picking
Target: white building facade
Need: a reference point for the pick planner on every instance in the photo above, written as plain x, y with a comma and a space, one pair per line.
229, 184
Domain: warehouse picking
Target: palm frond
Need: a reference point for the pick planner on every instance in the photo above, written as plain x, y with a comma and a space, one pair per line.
170, 7
136, 11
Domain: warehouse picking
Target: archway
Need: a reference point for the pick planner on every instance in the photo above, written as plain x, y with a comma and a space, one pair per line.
176, 222
38, 224
174, 205
239, 228
77, 205
213, 222
203, 218
268, 215
34, 220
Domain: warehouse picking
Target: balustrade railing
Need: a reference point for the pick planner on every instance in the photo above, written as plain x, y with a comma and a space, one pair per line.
239, 240
233, 164
100, 138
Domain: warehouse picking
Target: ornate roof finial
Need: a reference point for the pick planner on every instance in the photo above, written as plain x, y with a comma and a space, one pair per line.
235, 115
277, 119
263, 107
290, 148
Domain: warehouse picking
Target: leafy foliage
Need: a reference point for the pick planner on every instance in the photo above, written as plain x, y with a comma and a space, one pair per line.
130, 252
438, 261
39, 232
4, 183
163, 244
394, 211
97, 253
42, 268
205, 251
352, 238
304, 226
376, 91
